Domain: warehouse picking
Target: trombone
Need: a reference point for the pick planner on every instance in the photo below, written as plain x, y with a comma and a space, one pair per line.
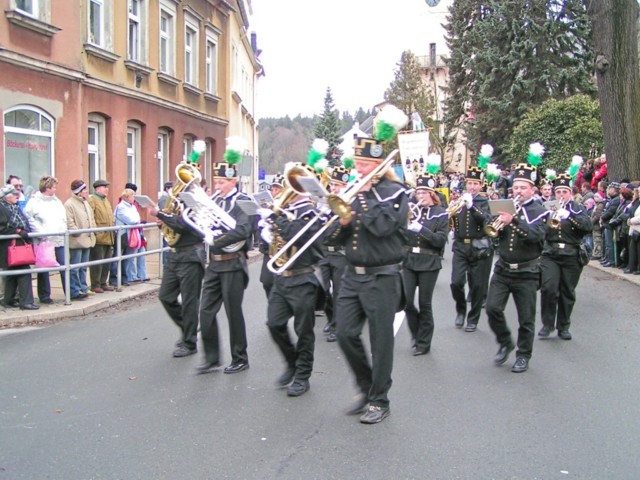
494, 228
341, 207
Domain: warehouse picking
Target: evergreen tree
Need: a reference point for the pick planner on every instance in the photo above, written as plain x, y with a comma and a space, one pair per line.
329, 128
508, 57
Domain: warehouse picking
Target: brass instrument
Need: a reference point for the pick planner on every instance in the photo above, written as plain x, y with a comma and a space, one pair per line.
340, 206
494, 228
186, 174
455, 207
554, 219
415, 211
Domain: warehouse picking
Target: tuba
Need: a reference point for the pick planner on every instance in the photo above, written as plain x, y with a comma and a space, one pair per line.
186, 174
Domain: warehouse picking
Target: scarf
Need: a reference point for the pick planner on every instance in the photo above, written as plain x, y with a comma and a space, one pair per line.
16, 217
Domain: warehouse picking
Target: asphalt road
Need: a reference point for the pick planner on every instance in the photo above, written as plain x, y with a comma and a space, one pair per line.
102, 398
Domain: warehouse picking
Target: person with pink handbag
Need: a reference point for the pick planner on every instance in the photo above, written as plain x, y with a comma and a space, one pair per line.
13, 221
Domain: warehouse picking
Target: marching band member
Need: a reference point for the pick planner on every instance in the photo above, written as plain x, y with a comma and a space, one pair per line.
227, 274
428, 233
375, 238
517, 272
333, 263
472, 249
561, 267
294, 292
266, 277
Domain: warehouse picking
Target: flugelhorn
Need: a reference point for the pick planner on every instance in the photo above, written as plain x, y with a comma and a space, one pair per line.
494, 228
455, 207
341, 207
554, 219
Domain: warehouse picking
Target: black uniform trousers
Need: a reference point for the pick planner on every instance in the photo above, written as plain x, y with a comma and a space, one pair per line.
376, 298
266, 277
465, 263
219, 288
332, 267
420, 320
182, 275
523, 286
295, 297
560, 276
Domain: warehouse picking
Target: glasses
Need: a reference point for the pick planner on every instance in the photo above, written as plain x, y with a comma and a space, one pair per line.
18, 185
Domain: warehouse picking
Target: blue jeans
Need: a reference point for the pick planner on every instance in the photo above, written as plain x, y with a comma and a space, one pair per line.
608, 245
78, 276
141, 265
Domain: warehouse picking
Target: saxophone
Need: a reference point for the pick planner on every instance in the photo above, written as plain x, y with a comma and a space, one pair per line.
186, 174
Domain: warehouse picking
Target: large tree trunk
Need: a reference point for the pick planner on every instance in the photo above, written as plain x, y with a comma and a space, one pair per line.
615, 30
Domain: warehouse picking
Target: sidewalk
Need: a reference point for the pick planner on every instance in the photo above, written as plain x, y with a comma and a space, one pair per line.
14, 317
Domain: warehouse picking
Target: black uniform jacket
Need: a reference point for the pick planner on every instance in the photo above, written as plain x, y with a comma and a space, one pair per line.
566, 239
522, 240
377, 235
470, 223
189, 247
425, 247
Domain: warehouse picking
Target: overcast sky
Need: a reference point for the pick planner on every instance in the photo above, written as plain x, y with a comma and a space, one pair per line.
351, 46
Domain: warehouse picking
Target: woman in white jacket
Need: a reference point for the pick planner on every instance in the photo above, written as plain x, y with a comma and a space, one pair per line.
634, 235
126, 213
47, 214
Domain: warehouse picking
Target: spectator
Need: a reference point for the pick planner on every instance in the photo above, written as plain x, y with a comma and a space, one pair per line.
589, 205
47, 214
164, 197
103, 214
13, 221
597, 253
619, 223
79, 217
634, 236
600, 170
587, 172
613, 201
141, 261
126, 213
587, 192
19, 186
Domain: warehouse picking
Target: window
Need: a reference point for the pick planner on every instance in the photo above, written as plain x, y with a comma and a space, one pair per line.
32, 14
28, 7
133, 153
99, 24
234, 69
28, 144
94, 144
134, 31
167, 40
163, 159
191, 53
211, 59
432, 54
187, 144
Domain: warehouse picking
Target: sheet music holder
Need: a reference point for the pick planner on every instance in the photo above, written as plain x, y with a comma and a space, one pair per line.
312, 186
144, 201
250, 207
264, 199
497, 206
189, 199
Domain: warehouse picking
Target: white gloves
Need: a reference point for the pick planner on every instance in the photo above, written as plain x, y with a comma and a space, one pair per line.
468, 200
324, 208
415, 226
208, 237
266, 234
264, 212
563, 213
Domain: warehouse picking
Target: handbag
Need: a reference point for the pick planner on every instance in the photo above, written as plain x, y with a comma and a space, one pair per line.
45, 253
18, 255
134, 238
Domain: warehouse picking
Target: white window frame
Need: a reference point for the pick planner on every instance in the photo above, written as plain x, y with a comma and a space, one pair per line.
96, 150
234, 69
163, 158
211, 62
34, 12
105, 40
134, 166
192, 33
134, 30
187, 146
167, 38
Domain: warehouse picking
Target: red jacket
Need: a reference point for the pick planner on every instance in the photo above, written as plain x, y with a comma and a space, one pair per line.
598, 175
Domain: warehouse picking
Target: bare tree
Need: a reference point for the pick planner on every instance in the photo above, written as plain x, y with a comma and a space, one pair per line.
615, 39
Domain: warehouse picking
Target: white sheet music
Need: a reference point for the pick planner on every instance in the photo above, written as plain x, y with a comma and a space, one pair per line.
144, 201
312, 186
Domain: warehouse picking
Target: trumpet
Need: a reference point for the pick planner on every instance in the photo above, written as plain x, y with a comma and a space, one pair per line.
341, 207
455, 207
554, 219
494, 228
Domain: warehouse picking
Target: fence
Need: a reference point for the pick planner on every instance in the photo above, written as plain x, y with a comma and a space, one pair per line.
117, 257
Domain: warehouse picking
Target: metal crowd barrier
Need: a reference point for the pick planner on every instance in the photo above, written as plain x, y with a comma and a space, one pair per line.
67, 267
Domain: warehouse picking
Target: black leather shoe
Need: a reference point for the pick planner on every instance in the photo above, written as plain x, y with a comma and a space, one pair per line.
375, 414
236, 367
298, 387
471, 327
359, 405
207, 367
12, 304
327, 328
30, 306
184, 351
544, 331
420, 351
285, 379
460, 320
332, 337
521, 365
564, 334
627, 270
80, 296
503, 354
46, 301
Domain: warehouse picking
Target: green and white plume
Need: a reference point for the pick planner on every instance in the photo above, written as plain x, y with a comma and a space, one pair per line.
576, 163
432, 163
550, 174
388, 123
493, 172
235, 148
347, 158
199, 147
319, 149
486, 151
534, 157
